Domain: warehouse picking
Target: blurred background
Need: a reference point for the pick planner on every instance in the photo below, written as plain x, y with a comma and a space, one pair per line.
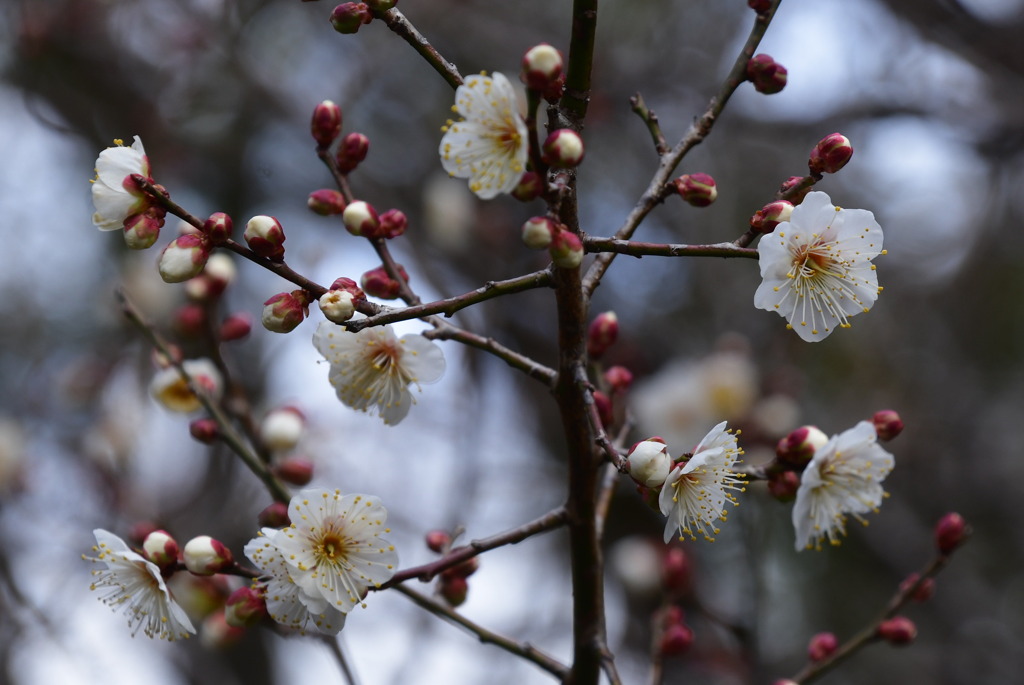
931, 95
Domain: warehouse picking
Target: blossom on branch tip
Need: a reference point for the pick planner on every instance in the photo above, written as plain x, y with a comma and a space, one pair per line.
844, 477
372, 370
114, 195
332, 551
696, 490
132, 582
816, 267
490, 146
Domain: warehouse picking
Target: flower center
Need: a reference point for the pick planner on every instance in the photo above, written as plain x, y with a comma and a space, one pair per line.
332, 548
812, 260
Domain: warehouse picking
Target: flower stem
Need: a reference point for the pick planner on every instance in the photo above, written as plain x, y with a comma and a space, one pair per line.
637, 249
397, 22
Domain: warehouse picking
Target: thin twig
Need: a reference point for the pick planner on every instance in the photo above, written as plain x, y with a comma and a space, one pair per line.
334, 646
226, 431
698, 131
638, 249
650, 119
397, 22
531, 368
869, 633
448, 306
524, 650
427, 572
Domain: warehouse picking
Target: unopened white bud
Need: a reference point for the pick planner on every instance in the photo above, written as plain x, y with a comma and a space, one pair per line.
649, 463
282, 428
337, 305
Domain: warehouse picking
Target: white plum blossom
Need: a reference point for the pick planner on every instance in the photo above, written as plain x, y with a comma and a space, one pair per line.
113, 201
696, 490
372, 370
844, 477
286, 602
333, 549
134, 584
491, 145
816, 267
173, 392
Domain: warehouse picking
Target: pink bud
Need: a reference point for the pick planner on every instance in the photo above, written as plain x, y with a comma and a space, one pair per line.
601, 334
141, 231
351, 151
760, 6
190, 320
767, 219
888, 424
235, 327
351, 287
274, 515
822, 646
676, 571
218, 228
349, 16
377, 283
538, 232
183, 258
783, 485
530, 187
566, 250
793, 182
797, 448
326, 202
924, 591
898, 630
438, 541
265, 237
361, 219
244, 607
294, 470
605, 409
326, 123
830, 154
950, 532
205, 431
160, 548
563, 149
767, 75
284, 311
619, 378
205, 556
675, 640
454, 590
698, 189
393, 223
542, 65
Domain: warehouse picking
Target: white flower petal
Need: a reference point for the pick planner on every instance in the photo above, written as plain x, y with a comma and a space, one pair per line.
816, 268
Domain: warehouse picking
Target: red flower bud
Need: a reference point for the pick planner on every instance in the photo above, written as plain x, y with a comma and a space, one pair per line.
244, 607
950, 532
265, 237
767, 75
676, 571
822, 646
676, 640
284, 311
542, 66
393, 223
898, 630
294, 470
605, 409
830, 154
235, 327
698, 189
563, 149
566, 250
793, 182
349, 16
351, 287
326, 202
924, 591
766, 219
601, 334
797, 448
275, 515
454, 590
888, 424
218, 228
783, 485
530, 187
619, 378
377, 283
351, 151
438, 541
204, 430
361, 219
326, 123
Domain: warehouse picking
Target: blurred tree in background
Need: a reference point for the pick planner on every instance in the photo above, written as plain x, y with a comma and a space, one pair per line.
932, 96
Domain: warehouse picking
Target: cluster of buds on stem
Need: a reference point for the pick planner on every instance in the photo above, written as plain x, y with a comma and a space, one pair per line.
676, 636
379, 283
